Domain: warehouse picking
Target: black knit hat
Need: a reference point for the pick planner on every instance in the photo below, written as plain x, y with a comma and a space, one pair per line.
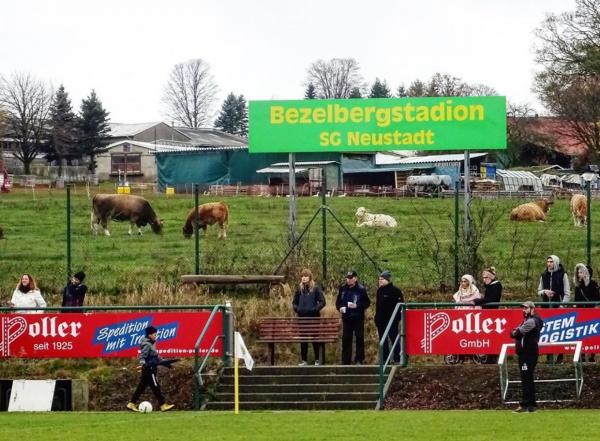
79, 276
150, 330
386, 275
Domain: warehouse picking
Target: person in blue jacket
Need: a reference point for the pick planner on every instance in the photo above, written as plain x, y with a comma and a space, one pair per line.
352, 301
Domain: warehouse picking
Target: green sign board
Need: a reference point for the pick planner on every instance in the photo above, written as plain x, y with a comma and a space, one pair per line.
358, 125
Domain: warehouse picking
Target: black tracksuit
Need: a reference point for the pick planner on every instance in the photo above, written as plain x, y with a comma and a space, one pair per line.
492, 294
387, 298
527, 336
308, 303
149, 360
353, 320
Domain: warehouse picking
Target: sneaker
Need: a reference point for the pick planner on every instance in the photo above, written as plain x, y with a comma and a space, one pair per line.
317, 363
520, 409
592, 359
302, 363
132, 406
531, 409
165, 407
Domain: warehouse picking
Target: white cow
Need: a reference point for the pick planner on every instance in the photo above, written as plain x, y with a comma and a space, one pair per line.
365, 219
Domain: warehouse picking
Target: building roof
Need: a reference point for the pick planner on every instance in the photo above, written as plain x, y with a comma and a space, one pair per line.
385, 159
212, 137
560, 132
303, 163
280, 170
119, 130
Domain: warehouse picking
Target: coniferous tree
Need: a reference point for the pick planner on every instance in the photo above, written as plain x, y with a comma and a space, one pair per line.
234, 116
355, 93
401, 91
310, 93
63, 132
94, 128
380, 90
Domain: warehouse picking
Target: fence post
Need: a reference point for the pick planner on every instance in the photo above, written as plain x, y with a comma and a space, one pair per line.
68, 231
197, 228
324, 211
228, 328
456, 233
588, 188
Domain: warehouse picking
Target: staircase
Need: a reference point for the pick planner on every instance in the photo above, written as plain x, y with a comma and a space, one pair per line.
300, 388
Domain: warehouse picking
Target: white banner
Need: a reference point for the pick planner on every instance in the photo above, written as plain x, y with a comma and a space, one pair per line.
31, 395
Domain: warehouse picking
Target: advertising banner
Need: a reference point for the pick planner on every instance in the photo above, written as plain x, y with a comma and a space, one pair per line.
484, 331
377, 124
105, 334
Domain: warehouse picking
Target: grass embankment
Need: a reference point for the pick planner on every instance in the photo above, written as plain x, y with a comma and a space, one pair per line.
284, 426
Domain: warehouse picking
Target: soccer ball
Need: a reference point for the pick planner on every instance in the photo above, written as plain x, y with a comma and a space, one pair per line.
145, 407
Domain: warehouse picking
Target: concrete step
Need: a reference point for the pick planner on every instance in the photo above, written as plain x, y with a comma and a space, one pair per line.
307, 370
302, 379
292, 405
301, 397
298, 388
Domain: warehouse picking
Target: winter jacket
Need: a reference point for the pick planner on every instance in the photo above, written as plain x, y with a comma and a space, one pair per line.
29, 299
387, 298
586, 289
357, 294
148, 357
308, 303
73, 295
527, 335
557, 281
492, 294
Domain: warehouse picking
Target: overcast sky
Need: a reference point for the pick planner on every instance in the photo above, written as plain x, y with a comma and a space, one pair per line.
125, 49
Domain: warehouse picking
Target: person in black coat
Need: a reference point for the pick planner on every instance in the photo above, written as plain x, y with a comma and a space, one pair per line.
492, 289
586, 290
527, 336
352, 301
74, 292
308, 302
387, 297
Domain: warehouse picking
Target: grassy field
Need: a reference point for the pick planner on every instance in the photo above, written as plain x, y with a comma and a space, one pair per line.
418, 251
350, 425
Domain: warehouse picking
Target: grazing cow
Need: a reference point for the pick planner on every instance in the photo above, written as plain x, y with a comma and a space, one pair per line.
579, 209
208, 214
123, 207
374, 220
531, 211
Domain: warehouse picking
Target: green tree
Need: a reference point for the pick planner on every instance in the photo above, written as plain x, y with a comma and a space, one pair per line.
63, 130
380, 89
94, 129
310, 93
401, 91
234, 116
568, 50
355, 93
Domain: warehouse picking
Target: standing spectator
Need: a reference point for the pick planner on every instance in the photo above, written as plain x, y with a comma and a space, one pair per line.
74, 292
586, 290
554, 287
352, 300
492, 289
554, 282
308, 302
149, 361
527, 336
467, 292
27, 295
388, 296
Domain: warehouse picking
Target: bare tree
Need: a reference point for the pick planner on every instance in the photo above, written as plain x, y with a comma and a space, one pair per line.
27, 102
568, 49
190, 94
334, 78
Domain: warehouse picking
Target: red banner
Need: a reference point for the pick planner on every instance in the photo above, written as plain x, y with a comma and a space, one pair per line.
484, 331
105, 334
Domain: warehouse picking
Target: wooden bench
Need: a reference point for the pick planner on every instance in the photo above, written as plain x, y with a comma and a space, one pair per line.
207, 279
298, 330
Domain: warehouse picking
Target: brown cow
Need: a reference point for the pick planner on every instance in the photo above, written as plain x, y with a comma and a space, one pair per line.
532, 211
579, 209
123, 207
208, 214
